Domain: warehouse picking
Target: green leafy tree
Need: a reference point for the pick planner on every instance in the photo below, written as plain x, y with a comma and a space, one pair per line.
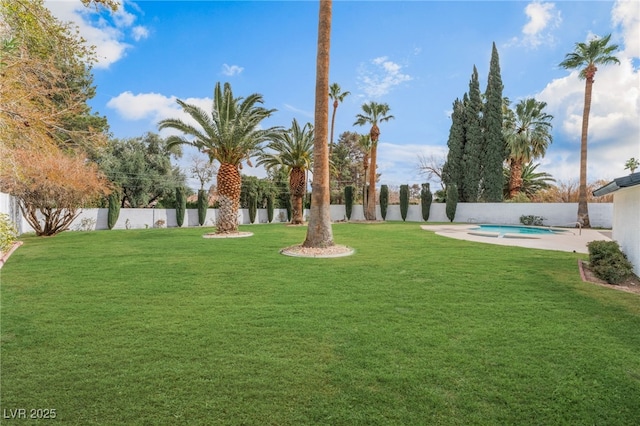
494, 142
230, 134
586, 57
293, 151
373, 113
142, 170
346, 166
528, 134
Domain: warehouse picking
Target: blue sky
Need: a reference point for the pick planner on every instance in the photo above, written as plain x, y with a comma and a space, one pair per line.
416, 56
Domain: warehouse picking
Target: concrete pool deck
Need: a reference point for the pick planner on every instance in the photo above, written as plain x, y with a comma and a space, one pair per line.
572, 240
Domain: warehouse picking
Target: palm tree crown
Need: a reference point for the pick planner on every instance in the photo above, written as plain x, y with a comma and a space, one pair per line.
528, 133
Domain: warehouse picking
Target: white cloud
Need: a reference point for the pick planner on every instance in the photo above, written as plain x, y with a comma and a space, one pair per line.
154, 107
380, 79
627, 15
398, 164
291, 108
108, 37
231, 70
542, 19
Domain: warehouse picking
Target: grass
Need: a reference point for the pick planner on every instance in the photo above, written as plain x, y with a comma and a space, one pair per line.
161, 326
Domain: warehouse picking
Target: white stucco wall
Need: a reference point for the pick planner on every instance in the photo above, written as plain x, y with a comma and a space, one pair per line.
626, 223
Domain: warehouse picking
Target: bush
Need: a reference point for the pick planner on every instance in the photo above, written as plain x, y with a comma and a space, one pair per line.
181, 205
348, 200
452, 201
8, 233
531, 220
270, 200
384, 201
203, 204
404, 201
253, 207
608, 262
425, 201
114, 209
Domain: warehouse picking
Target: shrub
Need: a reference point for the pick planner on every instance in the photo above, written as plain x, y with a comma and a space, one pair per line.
608, 262
404, 201
452, 201
181, 205
384, 201
253, 207
348, 200
114, 209
270, 201
203, 204
8, 233
531, 220
426, 197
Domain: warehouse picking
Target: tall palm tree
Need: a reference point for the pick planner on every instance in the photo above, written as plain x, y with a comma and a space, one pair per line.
335, 93
230, 135
528, 134
585, 57
364, 143
319, 232
374, 113
532, 181
292, 150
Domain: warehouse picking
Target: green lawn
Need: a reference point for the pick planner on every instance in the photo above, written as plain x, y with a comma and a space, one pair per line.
162, 326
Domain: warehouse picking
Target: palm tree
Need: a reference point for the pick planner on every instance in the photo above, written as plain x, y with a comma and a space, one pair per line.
364, 143
319, 232
532, 181
374, 113
338, 97
585, 57
230, 135
292, 150
528, 134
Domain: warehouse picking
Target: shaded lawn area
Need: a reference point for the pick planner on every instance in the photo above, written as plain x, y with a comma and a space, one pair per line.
162, 326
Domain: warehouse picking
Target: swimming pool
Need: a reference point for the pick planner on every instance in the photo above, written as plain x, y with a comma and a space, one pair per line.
505, 230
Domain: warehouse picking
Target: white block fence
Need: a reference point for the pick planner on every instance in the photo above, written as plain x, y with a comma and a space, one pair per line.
555, 214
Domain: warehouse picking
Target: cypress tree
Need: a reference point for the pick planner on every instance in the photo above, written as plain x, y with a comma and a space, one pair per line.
426, 197
452, 202
474, 142
114, 209
404, 201
384, 201
453, 169
253, 207
494, 142
203, 204
270, 200
348, 200
181, 205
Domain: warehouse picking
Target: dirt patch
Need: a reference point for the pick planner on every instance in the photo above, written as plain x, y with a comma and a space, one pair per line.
332, 251
630, 285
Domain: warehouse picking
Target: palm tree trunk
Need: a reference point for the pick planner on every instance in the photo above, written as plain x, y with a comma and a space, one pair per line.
370, 213
515, 178
333, 120
583, 207
319, 232
229, 184
297, 183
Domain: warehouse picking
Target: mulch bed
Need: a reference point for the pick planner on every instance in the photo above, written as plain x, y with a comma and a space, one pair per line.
630, 285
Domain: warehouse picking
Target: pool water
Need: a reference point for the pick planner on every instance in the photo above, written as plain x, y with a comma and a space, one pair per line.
516, 229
